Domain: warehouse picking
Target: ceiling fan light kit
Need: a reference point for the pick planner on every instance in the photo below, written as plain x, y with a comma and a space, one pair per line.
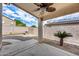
50, 9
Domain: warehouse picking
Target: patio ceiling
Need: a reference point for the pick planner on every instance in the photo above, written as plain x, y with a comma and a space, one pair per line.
61, 9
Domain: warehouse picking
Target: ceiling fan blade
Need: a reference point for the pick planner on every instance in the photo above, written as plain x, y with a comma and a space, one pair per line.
38, 4
43, 4
36, 9
50, 9
47, 4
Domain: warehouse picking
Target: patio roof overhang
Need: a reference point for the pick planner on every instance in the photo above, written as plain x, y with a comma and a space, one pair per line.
61, 9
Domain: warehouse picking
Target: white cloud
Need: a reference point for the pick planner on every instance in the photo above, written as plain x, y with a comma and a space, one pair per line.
8, 11
28, 16
15, 15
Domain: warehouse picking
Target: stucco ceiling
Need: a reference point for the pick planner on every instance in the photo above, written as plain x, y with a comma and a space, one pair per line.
61, 9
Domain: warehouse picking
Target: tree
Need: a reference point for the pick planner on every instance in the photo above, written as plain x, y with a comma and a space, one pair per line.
19, 23
62, 35
33, 26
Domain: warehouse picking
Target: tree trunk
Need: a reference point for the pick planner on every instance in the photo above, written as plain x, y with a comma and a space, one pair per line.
61, 42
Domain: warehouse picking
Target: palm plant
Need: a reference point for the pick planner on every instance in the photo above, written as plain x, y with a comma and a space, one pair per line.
62, 35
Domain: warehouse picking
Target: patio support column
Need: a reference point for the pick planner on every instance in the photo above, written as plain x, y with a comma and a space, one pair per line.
40, 30
0, 41
0, 26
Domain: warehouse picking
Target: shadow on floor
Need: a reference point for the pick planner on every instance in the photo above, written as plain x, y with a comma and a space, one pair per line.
67, 47
5, 43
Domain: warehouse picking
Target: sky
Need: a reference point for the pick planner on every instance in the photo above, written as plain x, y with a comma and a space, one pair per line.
69, 17
13, 12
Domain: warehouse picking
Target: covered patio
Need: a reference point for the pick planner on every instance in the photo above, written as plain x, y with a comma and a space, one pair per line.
61, 9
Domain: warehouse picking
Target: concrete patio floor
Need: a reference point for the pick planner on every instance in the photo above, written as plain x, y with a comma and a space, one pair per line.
31, 48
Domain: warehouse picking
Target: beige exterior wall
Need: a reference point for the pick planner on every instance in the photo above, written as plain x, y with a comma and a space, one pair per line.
7, 22
9, 27
33, 31
73, 29
48, 32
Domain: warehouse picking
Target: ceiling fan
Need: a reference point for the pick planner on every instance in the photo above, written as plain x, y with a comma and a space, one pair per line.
45, 6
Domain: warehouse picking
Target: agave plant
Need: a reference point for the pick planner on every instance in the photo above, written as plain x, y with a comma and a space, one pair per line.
62, 35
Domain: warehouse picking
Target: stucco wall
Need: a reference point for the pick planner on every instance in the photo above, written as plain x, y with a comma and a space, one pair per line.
9, 26
15, 30
73, 29
33, 31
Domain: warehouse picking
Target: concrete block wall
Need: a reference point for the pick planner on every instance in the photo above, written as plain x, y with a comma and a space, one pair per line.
33, 31
8, 29
9, 26
73, 29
